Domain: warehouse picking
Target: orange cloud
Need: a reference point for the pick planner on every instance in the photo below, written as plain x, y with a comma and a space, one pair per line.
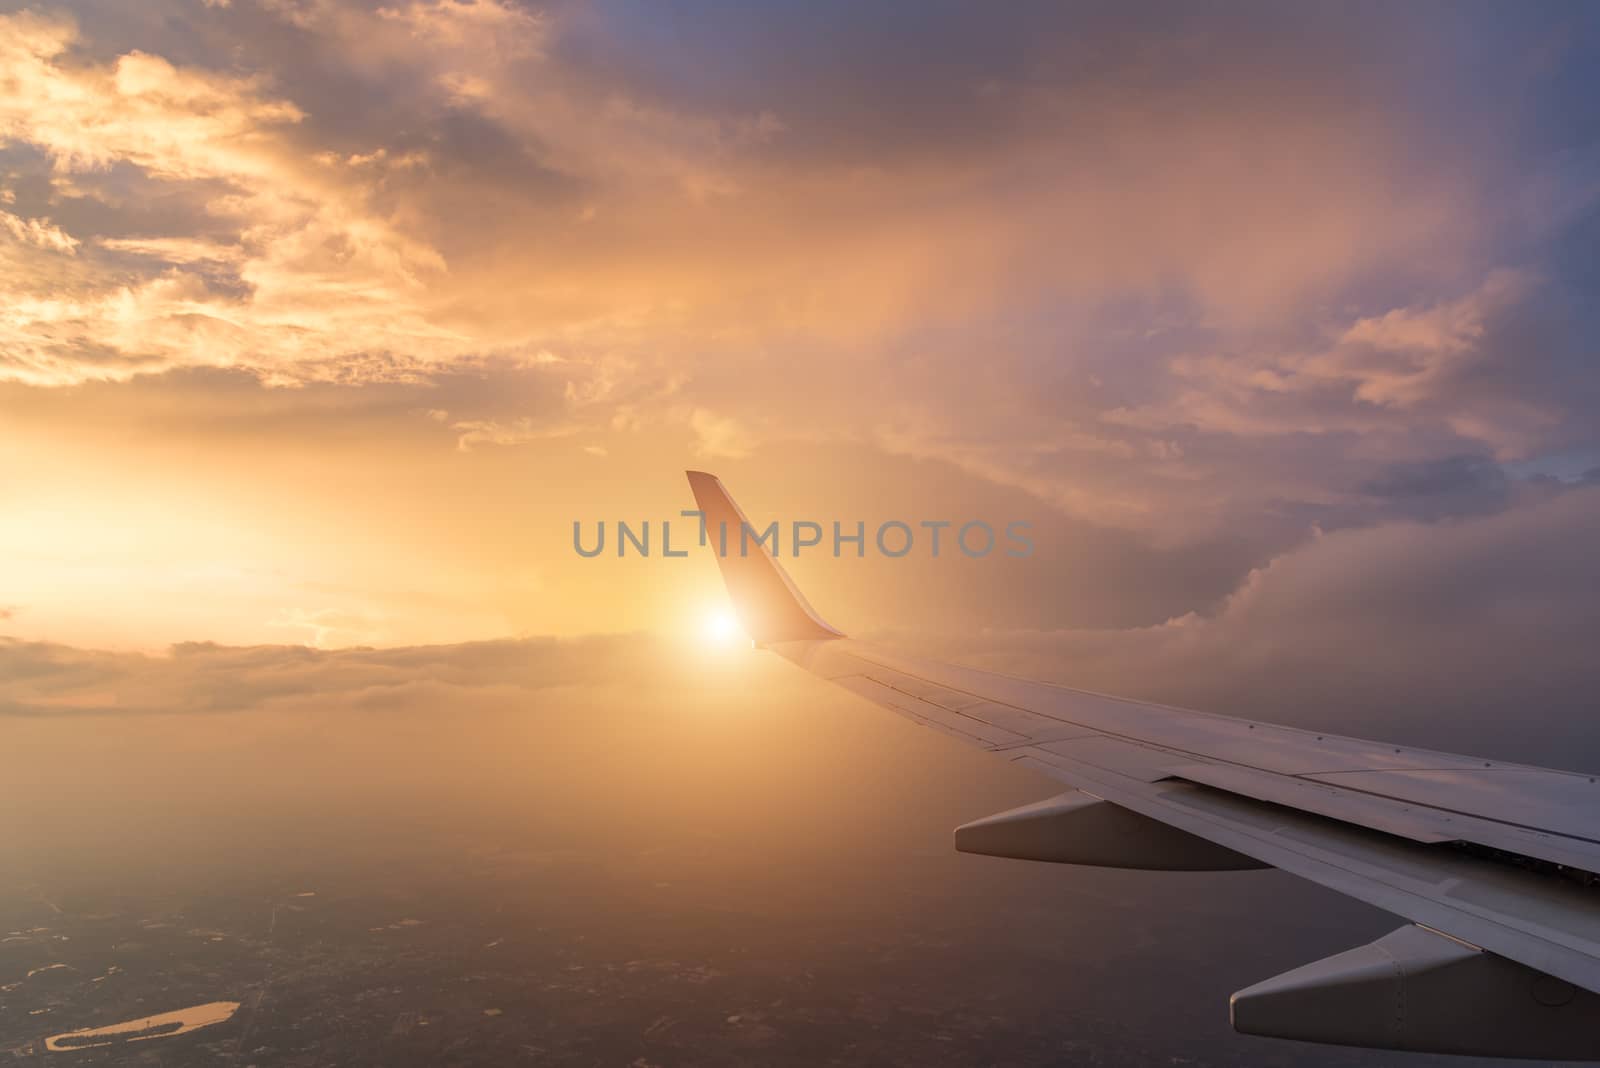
321, 269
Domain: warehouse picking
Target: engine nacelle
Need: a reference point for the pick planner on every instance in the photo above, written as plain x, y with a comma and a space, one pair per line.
1415, 989
1077, 828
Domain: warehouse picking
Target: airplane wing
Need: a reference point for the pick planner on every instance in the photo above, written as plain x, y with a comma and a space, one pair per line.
1492, 863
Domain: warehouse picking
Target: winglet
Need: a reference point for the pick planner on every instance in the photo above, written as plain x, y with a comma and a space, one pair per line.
767, 603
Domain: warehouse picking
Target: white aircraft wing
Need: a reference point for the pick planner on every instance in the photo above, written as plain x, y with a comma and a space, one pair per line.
1492, 863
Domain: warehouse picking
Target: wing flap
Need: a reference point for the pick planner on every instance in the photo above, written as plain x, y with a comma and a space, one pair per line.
1558, 802
1328, 796
1142, 762
1378, 813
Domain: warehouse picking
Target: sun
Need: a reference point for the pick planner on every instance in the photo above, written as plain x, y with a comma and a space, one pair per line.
720, 628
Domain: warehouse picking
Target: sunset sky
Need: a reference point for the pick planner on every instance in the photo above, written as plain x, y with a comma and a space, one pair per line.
322, 321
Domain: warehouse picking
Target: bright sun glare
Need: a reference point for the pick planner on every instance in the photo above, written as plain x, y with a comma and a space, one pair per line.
720, 628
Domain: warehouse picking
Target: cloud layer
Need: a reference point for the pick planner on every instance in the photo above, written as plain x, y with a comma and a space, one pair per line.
1192, 278
1474, 636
